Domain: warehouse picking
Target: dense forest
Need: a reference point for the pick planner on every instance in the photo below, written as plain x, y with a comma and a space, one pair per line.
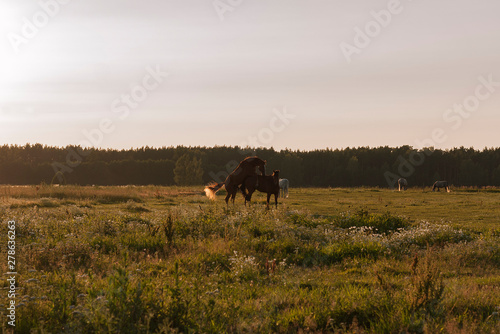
349, 167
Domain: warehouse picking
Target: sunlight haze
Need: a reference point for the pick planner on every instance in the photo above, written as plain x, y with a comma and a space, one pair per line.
283, 74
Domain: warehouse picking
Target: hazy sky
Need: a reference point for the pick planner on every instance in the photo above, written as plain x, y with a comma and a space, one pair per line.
282, 73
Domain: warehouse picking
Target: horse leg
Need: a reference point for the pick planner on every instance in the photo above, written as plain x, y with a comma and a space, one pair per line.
231, 192
243, 190
248, 197
268, 198
276, 200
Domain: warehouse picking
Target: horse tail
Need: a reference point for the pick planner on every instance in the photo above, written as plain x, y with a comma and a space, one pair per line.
211, 189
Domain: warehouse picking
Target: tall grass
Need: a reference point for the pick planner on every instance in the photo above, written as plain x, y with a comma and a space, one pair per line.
202, 268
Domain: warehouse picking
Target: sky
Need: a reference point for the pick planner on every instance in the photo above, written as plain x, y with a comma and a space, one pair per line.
290, 74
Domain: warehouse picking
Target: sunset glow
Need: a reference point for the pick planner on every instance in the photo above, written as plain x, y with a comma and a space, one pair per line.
352, 74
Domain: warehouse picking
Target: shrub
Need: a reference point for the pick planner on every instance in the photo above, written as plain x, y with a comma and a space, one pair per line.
381, 223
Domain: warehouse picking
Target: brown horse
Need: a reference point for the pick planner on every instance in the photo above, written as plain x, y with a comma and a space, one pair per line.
269, 184
245, 169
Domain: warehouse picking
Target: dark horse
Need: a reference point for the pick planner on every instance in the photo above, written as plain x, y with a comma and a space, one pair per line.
245, 169
441, 184
403, 184
269, 184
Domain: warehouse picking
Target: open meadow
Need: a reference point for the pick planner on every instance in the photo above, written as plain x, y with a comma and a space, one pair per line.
167, 259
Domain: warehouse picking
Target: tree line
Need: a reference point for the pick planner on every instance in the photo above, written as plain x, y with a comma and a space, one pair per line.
181, 165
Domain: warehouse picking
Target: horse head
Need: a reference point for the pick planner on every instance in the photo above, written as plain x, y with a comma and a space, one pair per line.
257, 162
276, 176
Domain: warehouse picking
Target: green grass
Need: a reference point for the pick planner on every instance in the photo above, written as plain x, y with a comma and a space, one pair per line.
461, 207
166, 259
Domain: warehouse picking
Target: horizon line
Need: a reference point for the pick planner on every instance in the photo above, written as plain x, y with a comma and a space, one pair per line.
247, 148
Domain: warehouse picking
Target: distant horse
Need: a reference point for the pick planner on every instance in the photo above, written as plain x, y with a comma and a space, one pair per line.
441, 184
403, 184
245, 169
284, 188
264, 183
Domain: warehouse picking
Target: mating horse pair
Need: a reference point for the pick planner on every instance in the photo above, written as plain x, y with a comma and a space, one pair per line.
245, 178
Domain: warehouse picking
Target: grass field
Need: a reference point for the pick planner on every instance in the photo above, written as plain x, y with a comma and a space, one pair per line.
167, 260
